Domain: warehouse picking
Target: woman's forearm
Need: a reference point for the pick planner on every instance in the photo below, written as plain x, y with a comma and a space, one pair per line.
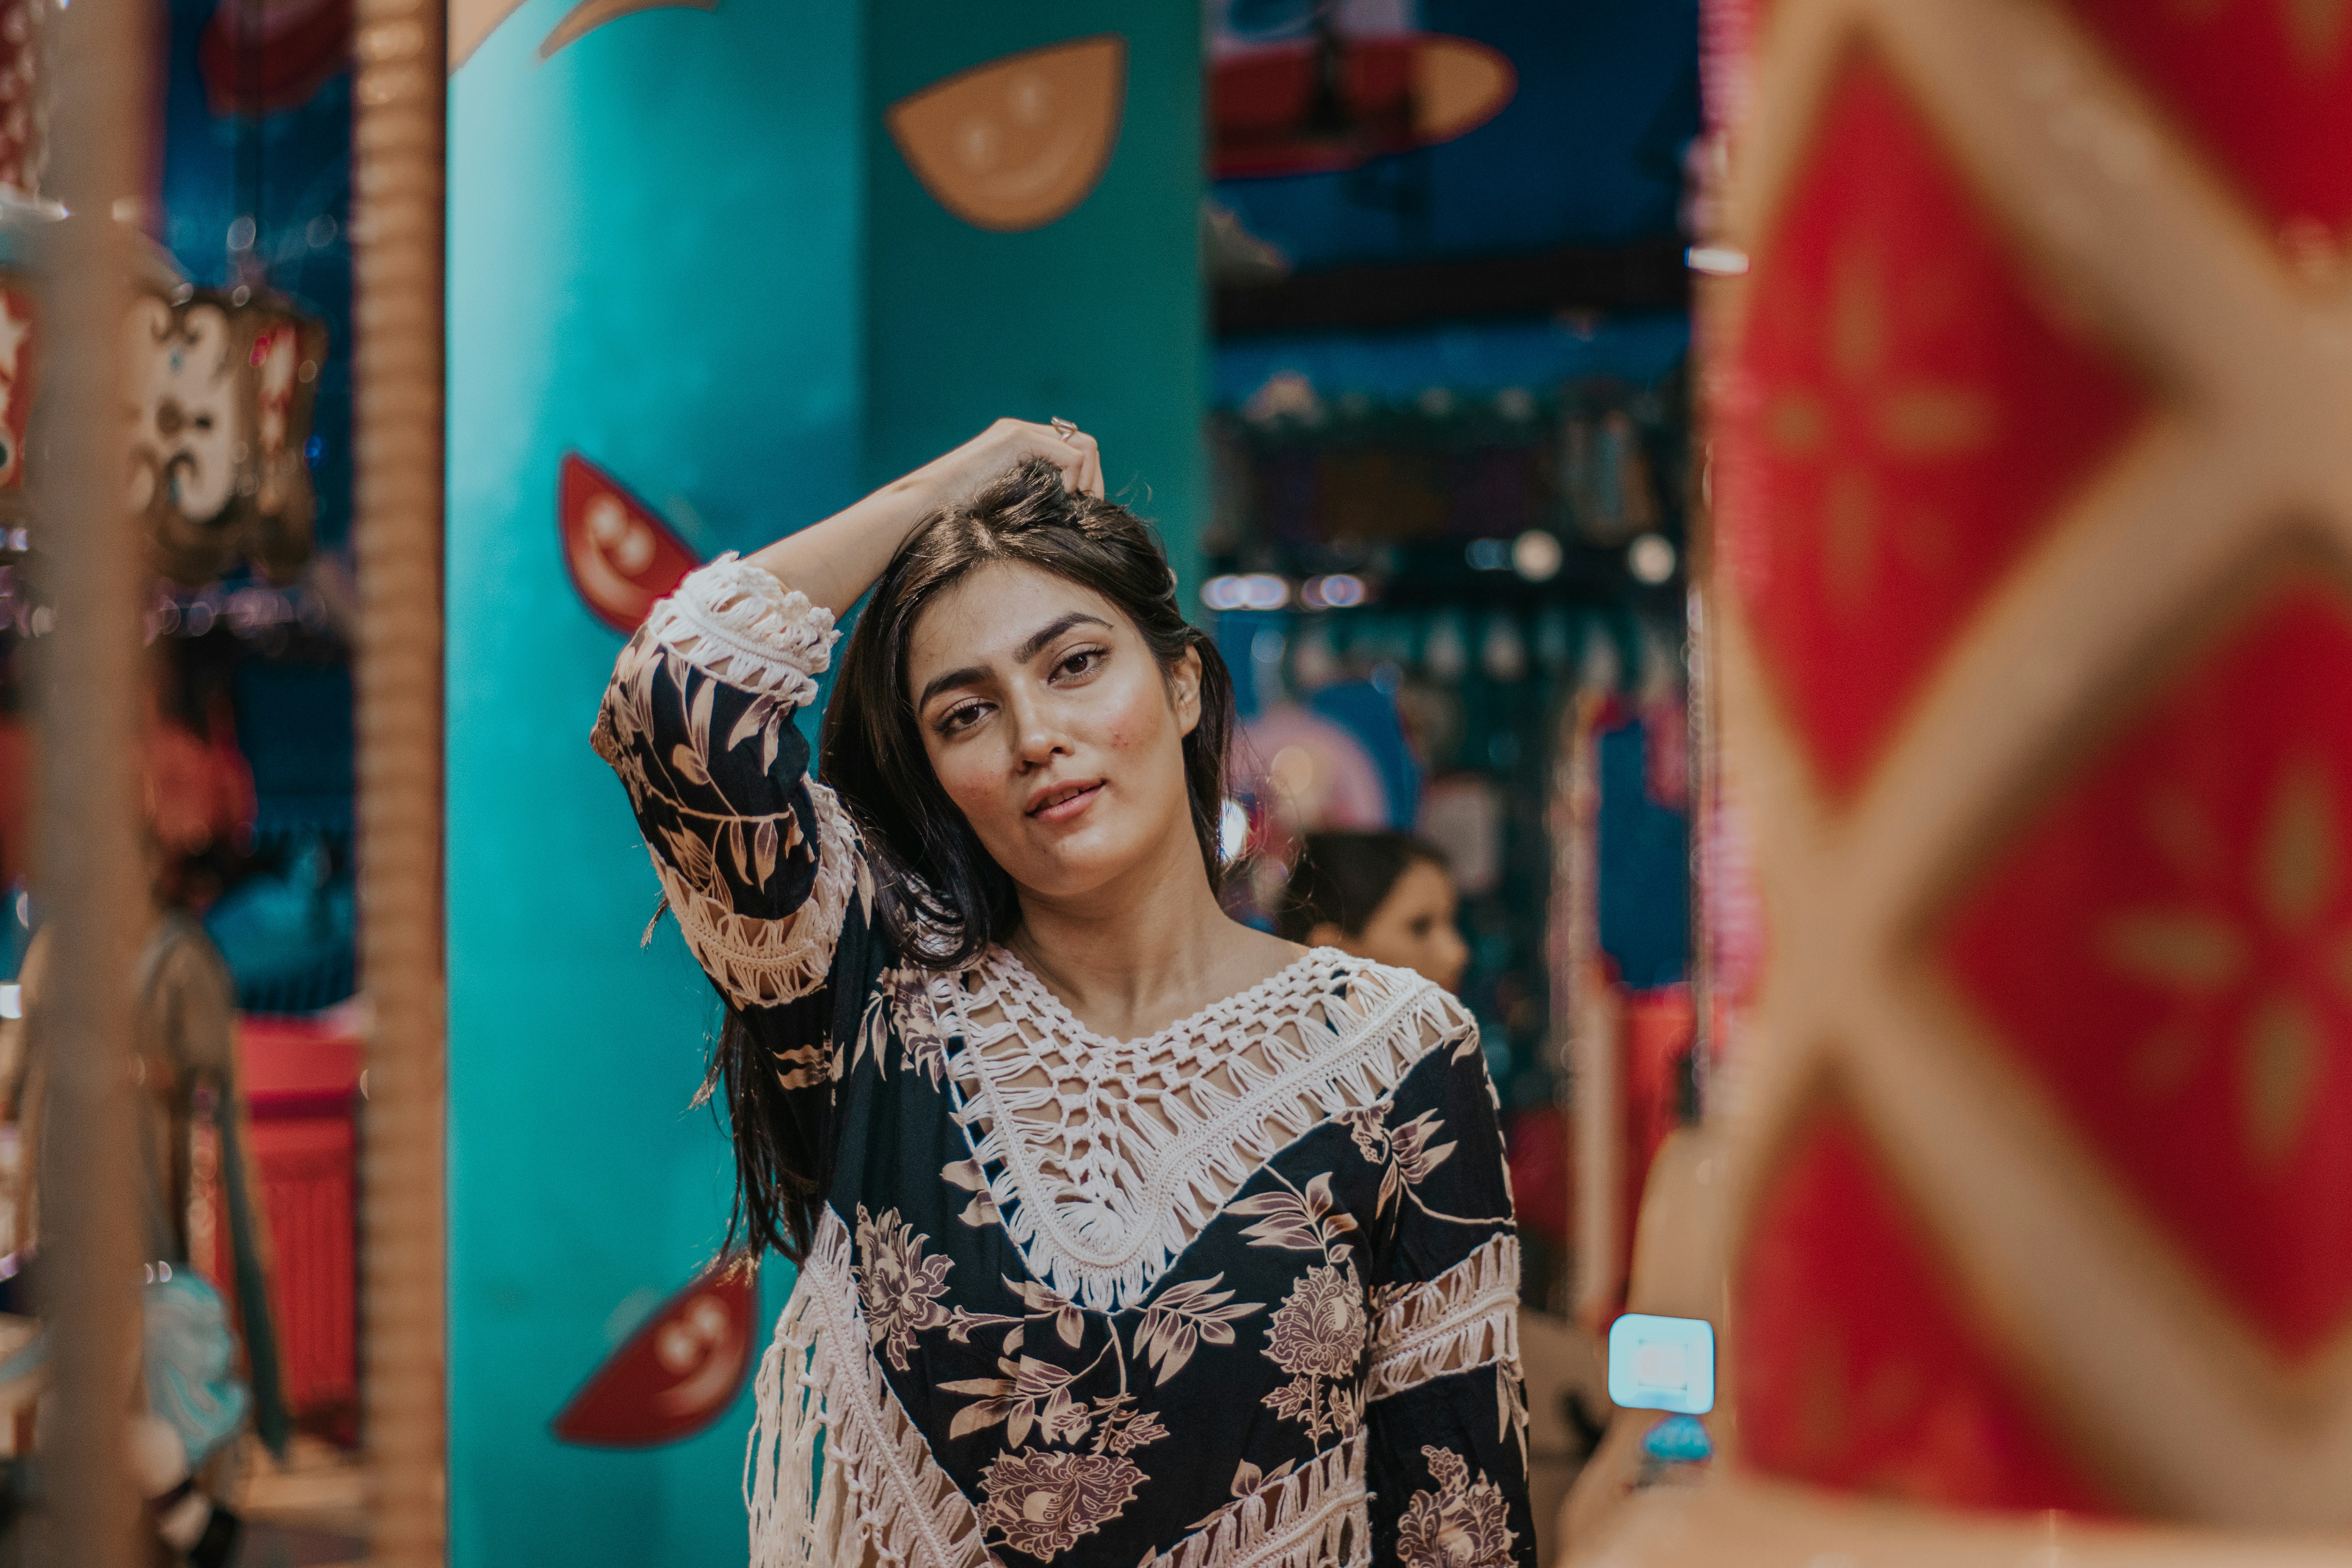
835, 560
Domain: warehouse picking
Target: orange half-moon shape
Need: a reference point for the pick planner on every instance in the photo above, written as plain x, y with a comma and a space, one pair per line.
1015, 143
590, 15
1458, 85
472, 21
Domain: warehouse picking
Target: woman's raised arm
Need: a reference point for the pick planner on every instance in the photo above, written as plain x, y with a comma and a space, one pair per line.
834, 562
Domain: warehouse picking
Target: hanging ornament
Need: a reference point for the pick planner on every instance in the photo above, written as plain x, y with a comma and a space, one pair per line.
1503, 653
1314, 662
1604, 669
220, 388
1443, 654
258, 57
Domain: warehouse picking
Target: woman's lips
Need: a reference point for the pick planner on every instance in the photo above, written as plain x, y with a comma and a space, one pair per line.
1068, 805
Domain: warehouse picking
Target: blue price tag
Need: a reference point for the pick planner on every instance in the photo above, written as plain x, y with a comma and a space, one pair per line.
1662, 1364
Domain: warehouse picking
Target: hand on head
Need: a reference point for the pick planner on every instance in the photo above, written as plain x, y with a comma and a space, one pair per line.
1008, 444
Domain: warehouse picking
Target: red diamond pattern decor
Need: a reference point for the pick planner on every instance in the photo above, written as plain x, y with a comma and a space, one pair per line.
1858, 1367
2168, 946
1902, 418
2261, 85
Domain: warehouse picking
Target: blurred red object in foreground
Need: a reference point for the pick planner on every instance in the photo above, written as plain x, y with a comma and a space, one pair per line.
621, 554
675, 1373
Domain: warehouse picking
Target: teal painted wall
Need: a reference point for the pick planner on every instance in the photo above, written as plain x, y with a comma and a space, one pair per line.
686, 248
1096, 317
654, 259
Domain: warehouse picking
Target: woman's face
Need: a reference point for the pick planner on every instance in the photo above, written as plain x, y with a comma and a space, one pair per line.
1054, 730
1412, 928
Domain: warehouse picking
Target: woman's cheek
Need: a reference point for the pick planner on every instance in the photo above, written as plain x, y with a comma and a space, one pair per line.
967, 786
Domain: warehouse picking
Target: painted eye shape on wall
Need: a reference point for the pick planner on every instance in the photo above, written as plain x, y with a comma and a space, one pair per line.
1016, 142
676, 1374
621, 554
472, 21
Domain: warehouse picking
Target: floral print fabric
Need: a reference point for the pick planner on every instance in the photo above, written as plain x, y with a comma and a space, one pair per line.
1220, 1408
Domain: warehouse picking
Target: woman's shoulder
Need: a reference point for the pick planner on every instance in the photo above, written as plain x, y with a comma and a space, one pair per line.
1388, 983
1374, 1010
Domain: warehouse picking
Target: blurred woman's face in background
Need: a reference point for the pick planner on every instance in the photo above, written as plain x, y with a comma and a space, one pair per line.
1412, 928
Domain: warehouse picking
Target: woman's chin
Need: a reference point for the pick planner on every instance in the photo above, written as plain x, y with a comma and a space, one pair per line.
1073, 867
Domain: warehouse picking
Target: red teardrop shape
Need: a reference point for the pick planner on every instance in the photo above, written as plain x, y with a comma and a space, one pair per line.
675, 1373
622, 555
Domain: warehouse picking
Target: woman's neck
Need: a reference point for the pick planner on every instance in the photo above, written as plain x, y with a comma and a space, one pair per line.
1133, 956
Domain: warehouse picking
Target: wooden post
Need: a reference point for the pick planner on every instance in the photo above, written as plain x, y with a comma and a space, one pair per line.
88, 866
397, 232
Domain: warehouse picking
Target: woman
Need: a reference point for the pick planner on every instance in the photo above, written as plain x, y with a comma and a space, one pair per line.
1387, 896
1127, 1233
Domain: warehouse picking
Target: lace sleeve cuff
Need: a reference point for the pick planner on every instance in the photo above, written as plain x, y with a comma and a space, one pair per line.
767, 963
736, 622
1467, 1317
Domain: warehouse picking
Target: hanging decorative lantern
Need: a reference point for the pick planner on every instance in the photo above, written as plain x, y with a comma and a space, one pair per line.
220, 388
218, 385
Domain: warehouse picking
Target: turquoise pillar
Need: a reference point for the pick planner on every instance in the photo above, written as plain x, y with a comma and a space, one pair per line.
654, 250
685, 246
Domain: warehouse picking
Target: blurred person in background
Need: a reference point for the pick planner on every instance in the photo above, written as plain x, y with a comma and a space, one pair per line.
198, 1389
1387, 896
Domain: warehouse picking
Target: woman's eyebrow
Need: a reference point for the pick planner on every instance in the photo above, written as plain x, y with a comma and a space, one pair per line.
1052, 629
1029, 649
968, 675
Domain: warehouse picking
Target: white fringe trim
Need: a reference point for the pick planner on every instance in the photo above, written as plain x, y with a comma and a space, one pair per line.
763, 963
881, 1486
1467, 1318
735, 621
1318, 1518
1160, 1183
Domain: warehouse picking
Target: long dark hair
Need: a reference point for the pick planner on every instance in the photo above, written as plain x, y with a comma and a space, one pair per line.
945, 900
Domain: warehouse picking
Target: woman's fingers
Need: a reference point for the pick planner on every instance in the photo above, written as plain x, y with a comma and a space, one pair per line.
1074, 453
1070, 449
1086, 477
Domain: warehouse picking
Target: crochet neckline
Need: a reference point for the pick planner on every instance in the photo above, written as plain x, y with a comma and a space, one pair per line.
1104, 1160
1058, 1014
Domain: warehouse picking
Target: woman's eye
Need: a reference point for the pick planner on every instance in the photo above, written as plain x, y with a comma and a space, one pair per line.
1079, 663
960, 719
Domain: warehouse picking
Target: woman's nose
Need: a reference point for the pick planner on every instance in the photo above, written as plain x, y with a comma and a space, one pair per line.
1038, 737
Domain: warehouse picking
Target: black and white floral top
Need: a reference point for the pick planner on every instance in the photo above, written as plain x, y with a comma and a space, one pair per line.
1241, 1292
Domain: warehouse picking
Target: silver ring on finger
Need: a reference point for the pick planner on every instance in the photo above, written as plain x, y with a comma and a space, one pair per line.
1062, 427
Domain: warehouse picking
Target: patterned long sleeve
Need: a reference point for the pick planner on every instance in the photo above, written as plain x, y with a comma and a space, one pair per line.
758, 864
1446, 1413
